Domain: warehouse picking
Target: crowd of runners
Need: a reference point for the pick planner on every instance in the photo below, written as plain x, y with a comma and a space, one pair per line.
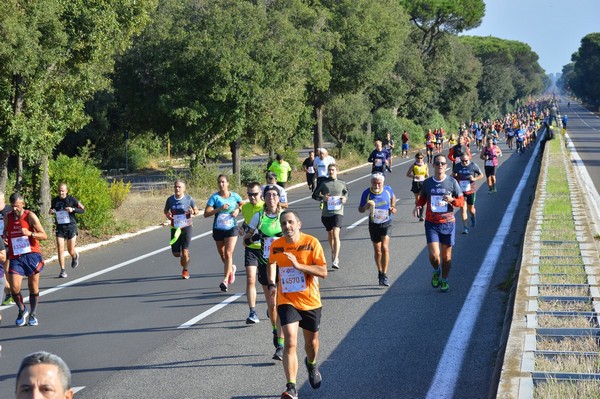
286, 262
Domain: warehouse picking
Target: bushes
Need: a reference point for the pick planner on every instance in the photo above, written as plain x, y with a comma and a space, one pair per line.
85, 182
118, 191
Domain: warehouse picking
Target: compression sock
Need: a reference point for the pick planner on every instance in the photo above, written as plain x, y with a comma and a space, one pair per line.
33, 301
18, 298
280, 341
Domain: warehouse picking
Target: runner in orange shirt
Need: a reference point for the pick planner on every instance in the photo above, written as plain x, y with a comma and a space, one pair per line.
300, 261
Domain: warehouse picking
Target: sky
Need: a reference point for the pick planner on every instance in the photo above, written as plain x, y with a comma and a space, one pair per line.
552, 28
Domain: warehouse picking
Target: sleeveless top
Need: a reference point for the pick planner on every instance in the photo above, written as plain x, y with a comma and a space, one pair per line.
19, 244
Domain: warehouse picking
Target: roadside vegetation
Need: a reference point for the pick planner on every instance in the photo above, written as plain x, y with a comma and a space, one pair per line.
564, 297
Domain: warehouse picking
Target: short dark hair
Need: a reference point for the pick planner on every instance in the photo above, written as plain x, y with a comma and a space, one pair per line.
279, 157
271, 175
43, 357
14, 197
285, 212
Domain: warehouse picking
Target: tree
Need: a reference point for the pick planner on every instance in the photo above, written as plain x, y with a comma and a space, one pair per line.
433, 18
584, 80
346, 114
212, 75
54, 55
367, 49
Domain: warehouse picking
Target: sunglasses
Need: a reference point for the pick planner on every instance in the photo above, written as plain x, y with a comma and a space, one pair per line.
439, 163
464, 160
253, 194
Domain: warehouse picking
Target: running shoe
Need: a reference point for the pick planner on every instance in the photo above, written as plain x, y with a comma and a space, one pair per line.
435, 280
75, 261
232, 275
185, 274
384, 280
290, 391
444, 286
473, 221
421, 219
252, 318
465, 230
62, 274
22, 318
278, 353
8, 300
33, 321
314, 376
223, 286
335, 265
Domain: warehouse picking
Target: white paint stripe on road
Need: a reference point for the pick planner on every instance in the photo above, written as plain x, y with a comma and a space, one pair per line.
353, 225
77, 389
210, 311
450, 365
104, 271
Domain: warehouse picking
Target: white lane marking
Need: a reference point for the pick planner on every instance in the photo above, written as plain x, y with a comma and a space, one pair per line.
210, 311
77, 389
124, 236
104, 271
353, 225
450, 365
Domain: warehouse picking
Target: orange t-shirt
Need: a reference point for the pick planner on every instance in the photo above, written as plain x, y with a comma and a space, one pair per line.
296, 288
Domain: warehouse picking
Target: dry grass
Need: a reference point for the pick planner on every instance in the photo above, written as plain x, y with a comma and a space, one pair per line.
568, 344
567, 389
567, 364
563, 278
563, 291
546, 321
566, 306
142, 209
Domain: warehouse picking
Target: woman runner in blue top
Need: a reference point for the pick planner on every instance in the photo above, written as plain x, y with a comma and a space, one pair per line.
224, 205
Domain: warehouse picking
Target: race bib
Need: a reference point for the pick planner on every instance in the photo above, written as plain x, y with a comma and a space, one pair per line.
225, 221
380, 215
322, 169
419, 178
489, 162
267, 246
292, 280
465, 185
334, 203
378, 162
20, 245
311, 169
180, 221
62, 217
438, 204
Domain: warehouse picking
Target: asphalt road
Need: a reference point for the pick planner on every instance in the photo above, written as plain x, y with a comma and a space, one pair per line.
115, 319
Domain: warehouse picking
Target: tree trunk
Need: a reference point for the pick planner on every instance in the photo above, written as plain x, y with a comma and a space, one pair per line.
236, 159
19, 176
318, 129
3, 170
44, 192
18, 101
